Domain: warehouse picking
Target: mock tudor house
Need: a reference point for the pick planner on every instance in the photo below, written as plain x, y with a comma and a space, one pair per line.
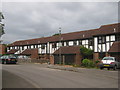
100, 40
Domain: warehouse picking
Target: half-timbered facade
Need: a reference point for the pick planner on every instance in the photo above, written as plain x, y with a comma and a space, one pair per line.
100, 40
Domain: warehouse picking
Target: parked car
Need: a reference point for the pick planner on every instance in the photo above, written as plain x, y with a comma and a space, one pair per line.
8, 59
109, 62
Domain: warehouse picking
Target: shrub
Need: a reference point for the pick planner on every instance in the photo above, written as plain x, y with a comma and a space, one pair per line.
88, 63
86, 51
97, 61
91, 64
85, 62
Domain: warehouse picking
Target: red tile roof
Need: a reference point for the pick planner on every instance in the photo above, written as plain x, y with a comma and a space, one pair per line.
30, 51
12, 51
68, 50
115, 47
103, 30
108, 29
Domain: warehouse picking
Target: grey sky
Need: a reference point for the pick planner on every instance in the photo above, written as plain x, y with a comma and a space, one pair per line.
26, 20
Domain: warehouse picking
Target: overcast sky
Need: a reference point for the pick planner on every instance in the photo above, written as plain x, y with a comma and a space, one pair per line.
26, 20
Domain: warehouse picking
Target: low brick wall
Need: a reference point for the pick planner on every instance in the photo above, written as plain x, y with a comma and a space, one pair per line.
32, 61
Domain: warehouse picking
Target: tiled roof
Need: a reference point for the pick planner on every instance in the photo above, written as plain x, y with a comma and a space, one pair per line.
108, 29
68, 50
12, 51
115, 47
103, 30
30, 51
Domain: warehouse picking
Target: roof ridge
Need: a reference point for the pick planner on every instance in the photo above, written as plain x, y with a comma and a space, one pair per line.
109, 24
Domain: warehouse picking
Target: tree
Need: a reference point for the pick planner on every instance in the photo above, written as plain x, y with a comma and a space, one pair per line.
1, 25
86, 52
56, 34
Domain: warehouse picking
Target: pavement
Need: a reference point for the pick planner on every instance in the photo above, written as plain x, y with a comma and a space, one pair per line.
54, 76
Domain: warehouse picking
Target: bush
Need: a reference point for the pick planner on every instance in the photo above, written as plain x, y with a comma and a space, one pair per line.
97, 61
86, 51
88, 63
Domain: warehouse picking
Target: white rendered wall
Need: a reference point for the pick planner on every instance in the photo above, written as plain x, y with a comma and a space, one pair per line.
103, 48
31, 46
95, 44
71, 43
25, 47
107, 46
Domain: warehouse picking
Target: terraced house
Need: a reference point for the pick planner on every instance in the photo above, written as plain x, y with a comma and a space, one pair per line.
104, 41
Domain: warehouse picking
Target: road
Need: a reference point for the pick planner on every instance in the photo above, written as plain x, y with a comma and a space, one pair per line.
39, 76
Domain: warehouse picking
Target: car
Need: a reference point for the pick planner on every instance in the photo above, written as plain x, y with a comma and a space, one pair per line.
8, 59
109, 62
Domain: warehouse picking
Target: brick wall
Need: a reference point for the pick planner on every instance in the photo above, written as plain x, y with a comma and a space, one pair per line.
51, 59
78, 58
35, 54
2, 49
96, 56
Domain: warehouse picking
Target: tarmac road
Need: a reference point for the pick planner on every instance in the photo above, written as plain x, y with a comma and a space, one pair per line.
38, 76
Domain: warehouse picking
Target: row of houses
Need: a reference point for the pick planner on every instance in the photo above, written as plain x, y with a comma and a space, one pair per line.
103, 41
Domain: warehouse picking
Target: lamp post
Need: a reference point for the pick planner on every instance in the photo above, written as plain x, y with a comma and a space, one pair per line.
60, 45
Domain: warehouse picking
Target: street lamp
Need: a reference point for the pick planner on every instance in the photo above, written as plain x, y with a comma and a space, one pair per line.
60, 45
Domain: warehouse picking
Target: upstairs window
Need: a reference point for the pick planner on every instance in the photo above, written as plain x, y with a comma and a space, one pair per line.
36, 46
67, 43
54, 45
22, 47
118, 37
74, 42
33, 46
43, 46
101, 39
90, 42
62, 43
112, 38
80, 42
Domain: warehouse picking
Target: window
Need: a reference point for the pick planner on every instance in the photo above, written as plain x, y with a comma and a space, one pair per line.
112, 37
43, 46
36, 46
22, 47
54, 45
107, 38
80, 42
30, 47
18, 47
62, 43
74, 42
67, 43
33, 46
90, 42
101, 39
118, 37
